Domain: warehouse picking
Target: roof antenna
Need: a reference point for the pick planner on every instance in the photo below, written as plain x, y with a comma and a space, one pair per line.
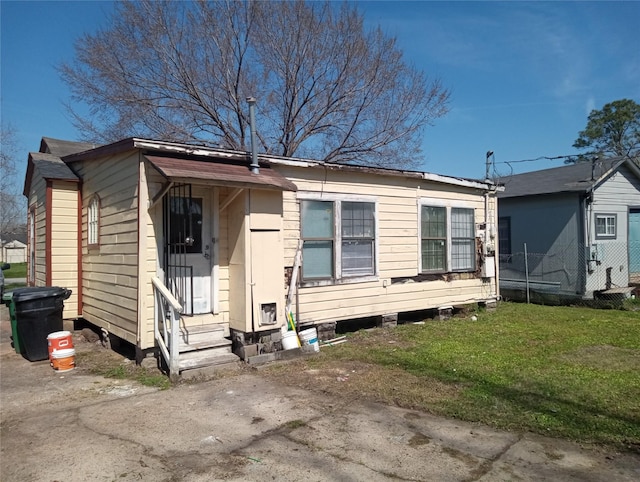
593, 167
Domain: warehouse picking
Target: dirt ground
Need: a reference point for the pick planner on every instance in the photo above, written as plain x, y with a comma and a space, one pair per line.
257, 425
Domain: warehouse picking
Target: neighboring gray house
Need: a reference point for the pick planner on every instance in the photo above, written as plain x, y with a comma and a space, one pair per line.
581, 227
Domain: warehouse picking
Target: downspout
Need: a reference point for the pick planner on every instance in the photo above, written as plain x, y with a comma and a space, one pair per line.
255, 167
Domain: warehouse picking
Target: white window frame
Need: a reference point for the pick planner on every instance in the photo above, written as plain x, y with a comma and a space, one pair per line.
93, 222
449, 205
338, 276
610, 224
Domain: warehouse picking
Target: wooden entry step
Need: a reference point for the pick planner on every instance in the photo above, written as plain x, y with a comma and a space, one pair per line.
193, 338
205, 358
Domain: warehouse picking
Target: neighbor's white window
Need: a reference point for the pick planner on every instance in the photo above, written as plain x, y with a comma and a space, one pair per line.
338, 239
93, 221
447, 239
605, 225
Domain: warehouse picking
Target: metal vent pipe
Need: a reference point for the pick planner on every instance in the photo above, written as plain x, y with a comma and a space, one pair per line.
255, 167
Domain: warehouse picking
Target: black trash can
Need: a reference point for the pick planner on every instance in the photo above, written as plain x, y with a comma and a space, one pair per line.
38, 314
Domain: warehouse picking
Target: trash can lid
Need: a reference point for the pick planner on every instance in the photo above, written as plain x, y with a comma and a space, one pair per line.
37, 292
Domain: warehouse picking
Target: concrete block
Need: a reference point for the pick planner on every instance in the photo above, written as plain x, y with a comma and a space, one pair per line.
247, 351
445, 313
326, 331
390, 320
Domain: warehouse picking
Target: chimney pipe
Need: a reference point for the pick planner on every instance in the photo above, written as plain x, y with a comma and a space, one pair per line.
255, 167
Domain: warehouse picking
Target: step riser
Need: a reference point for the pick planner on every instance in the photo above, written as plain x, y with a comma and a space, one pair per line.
212, 349
195, 338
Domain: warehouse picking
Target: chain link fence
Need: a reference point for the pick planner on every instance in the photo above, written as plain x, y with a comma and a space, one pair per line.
603, 274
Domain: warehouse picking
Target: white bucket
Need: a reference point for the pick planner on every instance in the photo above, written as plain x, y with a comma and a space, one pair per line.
63, 360
310, 337
290, 340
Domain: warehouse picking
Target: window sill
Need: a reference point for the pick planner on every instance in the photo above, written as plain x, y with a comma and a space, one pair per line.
341, 281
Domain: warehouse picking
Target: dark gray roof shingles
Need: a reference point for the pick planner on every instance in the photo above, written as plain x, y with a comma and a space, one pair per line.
577, 177
62, 148
51, 167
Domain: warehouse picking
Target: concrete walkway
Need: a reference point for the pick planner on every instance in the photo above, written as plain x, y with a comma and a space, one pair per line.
242, 427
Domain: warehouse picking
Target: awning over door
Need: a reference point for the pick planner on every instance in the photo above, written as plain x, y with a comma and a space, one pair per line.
220, 173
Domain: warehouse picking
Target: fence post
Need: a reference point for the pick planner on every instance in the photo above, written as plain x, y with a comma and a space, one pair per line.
526, 270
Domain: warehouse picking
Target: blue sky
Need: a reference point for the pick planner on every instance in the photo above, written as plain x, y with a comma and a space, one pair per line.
523, 75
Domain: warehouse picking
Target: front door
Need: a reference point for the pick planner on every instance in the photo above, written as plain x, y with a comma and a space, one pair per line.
187, 221
634, 246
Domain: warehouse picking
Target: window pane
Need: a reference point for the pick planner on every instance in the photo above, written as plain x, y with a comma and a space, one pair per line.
462, 239
357, 257
434, 224
317, 219
601, 227
504, 235
93, 221
433, 255
462, 223
358, 220
317, 259
186, 225
462, 254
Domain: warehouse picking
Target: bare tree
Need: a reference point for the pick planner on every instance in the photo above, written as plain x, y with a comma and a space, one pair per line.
12, 206
327, 87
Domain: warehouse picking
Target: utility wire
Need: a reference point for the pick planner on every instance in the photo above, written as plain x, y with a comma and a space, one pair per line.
568, 158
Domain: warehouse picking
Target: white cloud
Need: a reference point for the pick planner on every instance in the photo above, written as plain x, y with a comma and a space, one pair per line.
590, 105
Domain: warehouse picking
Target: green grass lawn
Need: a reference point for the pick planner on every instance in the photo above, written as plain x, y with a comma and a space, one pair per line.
560, 371
17, 270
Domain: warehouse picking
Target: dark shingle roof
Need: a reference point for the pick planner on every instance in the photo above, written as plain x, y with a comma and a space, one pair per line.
52, 167
61, 148
577, 177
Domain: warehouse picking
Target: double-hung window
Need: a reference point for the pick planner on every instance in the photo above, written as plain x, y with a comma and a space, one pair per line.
605, 226
434, 238
358, 238
463, 240
317, 219
447, 238
339, 239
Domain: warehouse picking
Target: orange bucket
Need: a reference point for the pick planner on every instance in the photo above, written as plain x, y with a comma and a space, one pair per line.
64, 360
59, 340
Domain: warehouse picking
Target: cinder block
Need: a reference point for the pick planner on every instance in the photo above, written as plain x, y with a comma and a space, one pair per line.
390, 320
246, 351
327, 331
445, 313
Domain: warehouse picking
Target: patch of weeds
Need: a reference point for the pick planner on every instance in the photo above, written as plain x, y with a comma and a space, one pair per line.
153, 380
418, 439
293, 424
128, 371
631, 304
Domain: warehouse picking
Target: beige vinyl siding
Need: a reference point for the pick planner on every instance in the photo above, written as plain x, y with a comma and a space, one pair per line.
398, 246
110, 271
37, 201
64, 242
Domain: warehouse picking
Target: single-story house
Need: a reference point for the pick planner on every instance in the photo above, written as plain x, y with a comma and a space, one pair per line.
581, 227
150, 235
